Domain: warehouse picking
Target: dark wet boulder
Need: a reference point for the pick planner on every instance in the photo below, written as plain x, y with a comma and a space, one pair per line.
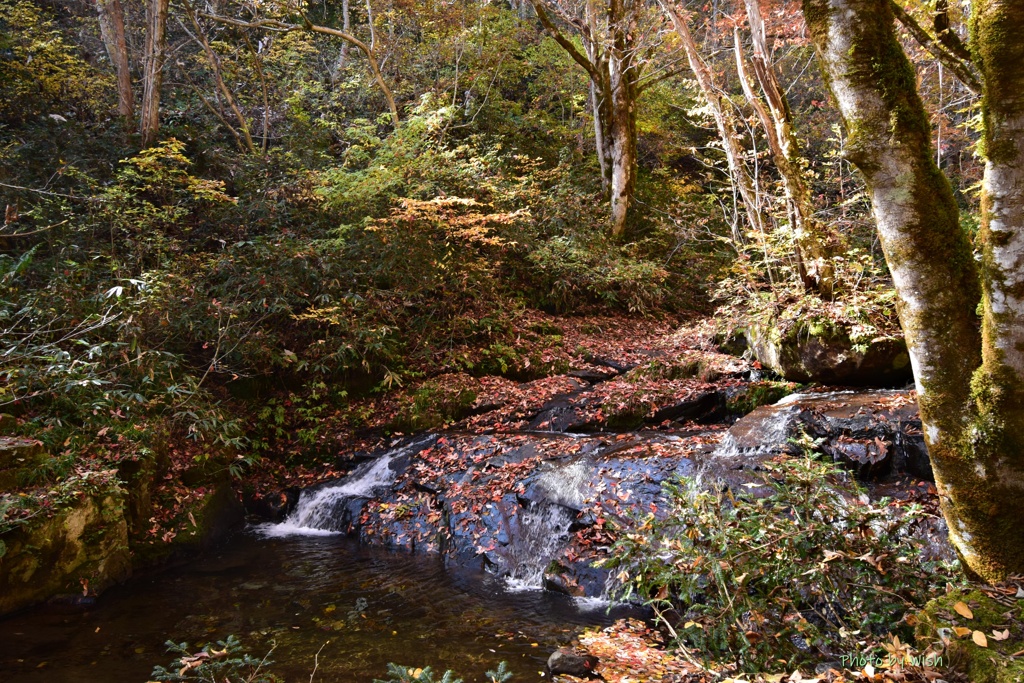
874, 433
708, 406
572, 662
273, 506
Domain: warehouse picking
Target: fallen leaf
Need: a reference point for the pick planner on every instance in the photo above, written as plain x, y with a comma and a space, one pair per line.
1001, 635
960, 631
963, 610
979, 639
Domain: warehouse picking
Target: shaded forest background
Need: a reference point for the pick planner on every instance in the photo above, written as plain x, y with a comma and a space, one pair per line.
282, 245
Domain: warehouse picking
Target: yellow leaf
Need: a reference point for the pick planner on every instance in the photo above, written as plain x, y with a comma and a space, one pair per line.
979, 639
960, 631
963, 610
1001, 635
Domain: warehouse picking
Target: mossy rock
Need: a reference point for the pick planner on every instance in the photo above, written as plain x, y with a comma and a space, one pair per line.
827, 355
752, 396
85, 540
936, 624
19, 459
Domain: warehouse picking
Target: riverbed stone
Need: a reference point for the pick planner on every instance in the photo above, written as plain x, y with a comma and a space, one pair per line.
571, 662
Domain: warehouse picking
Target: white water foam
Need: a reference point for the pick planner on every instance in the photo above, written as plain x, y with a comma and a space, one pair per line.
536, 536
318, 512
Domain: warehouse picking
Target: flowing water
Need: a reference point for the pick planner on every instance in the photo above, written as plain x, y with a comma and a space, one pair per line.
364, 606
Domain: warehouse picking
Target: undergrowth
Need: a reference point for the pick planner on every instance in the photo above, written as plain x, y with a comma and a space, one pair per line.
799, 568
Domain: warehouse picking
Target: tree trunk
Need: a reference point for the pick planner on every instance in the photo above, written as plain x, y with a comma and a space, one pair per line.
153, 69
813, 240
611, 64
111, 16
723, 121
972, 412
623, 144
346, 26
988, 504
244, 138
601, 138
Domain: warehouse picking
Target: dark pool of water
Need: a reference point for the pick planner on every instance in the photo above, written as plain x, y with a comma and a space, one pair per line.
364, 607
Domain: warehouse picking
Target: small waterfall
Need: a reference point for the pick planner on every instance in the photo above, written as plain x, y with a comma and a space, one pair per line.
331, 508
537, 535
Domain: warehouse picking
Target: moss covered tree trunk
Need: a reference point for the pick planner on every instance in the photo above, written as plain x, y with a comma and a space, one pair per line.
968, 388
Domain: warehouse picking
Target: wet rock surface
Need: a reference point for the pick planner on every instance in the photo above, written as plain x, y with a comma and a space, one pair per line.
874, 433
572, 662
538, 505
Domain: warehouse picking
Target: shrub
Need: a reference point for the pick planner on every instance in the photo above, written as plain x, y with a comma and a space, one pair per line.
810, 570
225, 661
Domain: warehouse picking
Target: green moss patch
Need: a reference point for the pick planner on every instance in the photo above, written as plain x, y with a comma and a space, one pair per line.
978, 634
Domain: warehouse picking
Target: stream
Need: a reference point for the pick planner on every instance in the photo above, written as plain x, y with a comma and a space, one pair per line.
364, 606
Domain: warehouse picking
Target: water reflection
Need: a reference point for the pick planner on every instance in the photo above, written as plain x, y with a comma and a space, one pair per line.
368, 605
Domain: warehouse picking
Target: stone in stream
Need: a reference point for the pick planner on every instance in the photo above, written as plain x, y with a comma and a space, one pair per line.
874, 433
572, 662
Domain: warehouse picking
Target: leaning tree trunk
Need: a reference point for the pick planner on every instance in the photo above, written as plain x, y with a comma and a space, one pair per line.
602, 136
814, 241
972, 428
111, 16
153, 69
723, 121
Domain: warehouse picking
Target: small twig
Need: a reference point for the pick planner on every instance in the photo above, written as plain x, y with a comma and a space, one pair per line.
316, 661
51, 194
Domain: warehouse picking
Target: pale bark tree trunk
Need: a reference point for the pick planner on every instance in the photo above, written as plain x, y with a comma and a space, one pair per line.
989, 506
611, 64
813, 239
600, 137
969, 388
723, 122
111, 16
153, 69
622, 93
346, 26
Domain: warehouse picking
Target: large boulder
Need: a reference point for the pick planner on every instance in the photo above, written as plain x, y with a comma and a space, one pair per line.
80, 547
828, 356
874, 433
19, 459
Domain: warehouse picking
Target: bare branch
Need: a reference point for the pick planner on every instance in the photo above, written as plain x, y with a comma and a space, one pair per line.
963, 70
